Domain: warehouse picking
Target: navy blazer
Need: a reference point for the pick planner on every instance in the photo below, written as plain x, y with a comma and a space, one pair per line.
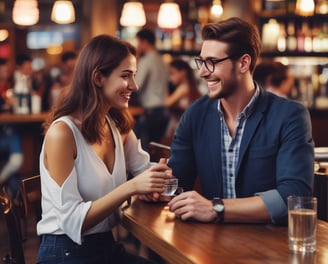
276, 154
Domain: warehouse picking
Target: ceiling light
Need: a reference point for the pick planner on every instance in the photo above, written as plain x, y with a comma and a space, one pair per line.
133, 15
63, 12
25, 12
169, 16
3, 34
304, 7
216, 10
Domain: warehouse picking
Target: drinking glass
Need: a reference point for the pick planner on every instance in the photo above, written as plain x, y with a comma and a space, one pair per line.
171, 185
302, 223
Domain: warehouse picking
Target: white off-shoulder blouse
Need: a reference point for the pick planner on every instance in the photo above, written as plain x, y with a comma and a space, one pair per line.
65, 207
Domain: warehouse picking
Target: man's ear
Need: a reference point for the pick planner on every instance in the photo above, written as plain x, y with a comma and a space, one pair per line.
245, 62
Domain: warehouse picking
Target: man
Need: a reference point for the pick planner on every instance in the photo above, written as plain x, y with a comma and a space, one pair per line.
281, 81
250, 148
64, 78
152, 79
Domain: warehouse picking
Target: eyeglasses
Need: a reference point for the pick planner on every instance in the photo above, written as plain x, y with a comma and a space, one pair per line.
209, 63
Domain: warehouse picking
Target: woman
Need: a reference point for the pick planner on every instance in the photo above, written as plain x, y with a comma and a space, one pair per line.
88, 147
182, 77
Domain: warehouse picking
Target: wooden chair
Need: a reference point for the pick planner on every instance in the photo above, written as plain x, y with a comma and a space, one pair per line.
320, 191
14, 230
158, 150
31, 195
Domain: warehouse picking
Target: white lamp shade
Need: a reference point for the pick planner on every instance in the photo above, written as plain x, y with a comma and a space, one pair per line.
305, 7
169, 16
3, 34
25, 12
63, 12
133, 15
216, 10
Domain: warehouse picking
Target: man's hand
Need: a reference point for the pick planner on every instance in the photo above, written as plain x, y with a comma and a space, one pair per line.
192, 206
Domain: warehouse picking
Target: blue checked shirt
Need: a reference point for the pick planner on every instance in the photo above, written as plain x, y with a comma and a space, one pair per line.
230, 146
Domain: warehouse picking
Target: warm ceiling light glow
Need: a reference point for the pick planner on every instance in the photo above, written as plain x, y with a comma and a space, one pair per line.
63, 12
304, 7
25, 12
54, 49
169, 16
133, 15
3, 34
216, 10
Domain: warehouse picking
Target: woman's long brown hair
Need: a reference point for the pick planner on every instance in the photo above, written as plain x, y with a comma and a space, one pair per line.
103, 53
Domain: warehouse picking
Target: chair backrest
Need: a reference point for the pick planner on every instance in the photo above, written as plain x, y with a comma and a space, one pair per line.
158, 150
320, 188
14, 230
31, 195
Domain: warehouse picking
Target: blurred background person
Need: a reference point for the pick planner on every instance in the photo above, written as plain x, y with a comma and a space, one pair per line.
182, 77
275, 77
152, 79
26, 84
262, 73
64, 78
5, 86
11, 153
281, 81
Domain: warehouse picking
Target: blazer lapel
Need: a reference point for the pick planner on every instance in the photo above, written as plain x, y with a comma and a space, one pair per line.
251, 125
215, 149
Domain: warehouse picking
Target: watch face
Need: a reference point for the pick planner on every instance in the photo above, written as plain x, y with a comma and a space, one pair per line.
218, 207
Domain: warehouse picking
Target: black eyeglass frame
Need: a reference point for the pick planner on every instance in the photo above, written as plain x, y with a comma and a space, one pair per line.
199, 62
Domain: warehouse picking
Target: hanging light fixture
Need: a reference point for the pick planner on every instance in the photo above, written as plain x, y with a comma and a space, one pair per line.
216, 10
304, 7
25, 12
169, 16
63, 12
133, 15
3, 34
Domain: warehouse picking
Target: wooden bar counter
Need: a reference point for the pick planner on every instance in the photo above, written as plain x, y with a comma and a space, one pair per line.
181, 242
29, 127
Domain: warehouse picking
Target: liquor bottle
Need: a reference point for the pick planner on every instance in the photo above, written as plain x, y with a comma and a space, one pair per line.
291, 39
281, 42
300, 39
324, 37
307, 37
316, 43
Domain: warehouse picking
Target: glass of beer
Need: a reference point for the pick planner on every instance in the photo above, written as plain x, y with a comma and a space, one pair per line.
302, 223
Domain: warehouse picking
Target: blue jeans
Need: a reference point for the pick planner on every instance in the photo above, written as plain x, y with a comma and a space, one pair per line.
96, 248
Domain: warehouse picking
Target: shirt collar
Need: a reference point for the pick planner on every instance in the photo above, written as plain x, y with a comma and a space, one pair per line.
247, 111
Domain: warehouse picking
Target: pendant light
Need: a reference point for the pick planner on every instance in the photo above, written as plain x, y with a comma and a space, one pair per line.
216, 10
4, 34
25, 12
169, 16
304, 7
133, 15
63, 12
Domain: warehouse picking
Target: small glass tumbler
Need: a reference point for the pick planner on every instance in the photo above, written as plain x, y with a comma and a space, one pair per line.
171, 185
302, 223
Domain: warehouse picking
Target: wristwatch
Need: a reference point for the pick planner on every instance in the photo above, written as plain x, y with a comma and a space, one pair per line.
218, 207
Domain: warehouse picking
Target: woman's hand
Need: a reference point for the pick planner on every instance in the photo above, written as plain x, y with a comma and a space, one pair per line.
150, 183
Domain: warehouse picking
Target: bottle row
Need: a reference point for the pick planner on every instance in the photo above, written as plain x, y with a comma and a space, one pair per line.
294, 37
